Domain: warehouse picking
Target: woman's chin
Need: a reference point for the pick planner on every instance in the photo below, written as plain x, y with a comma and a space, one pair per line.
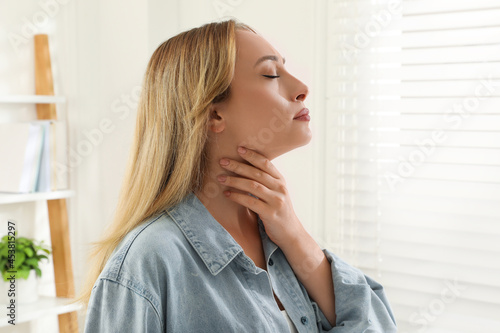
272, 154
307, 137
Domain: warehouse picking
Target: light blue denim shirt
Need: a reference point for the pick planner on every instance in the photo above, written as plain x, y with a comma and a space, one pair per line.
181, 271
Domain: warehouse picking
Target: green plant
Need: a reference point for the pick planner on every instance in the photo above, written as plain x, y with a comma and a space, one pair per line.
28, 253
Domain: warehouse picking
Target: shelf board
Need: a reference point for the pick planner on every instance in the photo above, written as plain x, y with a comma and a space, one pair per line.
32, 99
8, 198
44, 306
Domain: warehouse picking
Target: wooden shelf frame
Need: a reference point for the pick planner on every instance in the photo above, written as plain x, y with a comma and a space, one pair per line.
58, 214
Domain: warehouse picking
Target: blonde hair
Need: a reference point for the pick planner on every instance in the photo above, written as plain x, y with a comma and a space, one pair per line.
168, 157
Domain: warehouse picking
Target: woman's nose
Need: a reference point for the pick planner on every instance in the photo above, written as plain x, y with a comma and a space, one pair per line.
303, 92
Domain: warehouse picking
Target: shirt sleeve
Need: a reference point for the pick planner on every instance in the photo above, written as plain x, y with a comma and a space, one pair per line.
114, 307
360, 302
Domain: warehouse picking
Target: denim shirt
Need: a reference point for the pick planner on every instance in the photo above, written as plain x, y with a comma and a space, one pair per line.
181, 271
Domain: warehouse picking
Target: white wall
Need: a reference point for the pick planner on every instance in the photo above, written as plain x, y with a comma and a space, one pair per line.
100, 51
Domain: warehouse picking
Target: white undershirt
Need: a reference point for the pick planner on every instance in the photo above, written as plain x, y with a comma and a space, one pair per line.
290, 323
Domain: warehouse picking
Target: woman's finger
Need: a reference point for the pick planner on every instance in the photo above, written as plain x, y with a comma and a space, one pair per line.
247, 185
260, 162
250, 172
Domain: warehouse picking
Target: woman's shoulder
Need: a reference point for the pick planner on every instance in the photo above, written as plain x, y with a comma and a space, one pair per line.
154, 243
143, 263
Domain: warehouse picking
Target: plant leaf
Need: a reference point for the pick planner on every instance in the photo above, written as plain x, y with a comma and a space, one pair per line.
5, 252
38, 271
31, 262
29, 252
20, 256
23, 273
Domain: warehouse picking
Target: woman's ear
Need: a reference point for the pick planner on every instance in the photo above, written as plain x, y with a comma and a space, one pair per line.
216, 121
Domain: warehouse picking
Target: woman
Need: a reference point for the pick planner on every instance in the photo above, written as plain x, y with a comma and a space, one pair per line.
190, 251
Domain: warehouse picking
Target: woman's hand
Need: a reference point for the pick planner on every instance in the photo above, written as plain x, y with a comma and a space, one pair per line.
273, 205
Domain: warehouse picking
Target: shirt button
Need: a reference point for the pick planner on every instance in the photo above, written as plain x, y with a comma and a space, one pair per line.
271, 262
303, 320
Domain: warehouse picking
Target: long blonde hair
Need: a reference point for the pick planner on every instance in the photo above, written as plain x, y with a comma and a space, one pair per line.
168, 158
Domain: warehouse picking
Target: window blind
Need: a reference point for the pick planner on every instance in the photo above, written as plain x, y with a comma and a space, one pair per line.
413, 155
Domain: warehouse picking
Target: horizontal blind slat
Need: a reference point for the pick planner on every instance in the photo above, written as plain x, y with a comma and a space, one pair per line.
426, 72
426, 39
442, 55
433, 21
474, 88
409, 8
462, 119
449, 155
432, 6
425, 187
463, 139
440, 106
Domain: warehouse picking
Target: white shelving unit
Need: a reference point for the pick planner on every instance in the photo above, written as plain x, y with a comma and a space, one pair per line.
45, 305
61, 305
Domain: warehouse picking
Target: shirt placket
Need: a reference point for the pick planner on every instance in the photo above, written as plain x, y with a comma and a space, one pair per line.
289, 293
260, 284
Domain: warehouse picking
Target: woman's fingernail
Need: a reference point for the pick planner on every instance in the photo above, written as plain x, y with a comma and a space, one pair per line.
242, 150
224, 161
222, 178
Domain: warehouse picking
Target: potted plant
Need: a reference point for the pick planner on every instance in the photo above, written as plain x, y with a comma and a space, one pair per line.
21, 269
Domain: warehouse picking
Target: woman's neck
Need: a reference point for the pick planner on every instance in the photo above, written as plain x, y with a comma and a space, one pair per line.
235, 218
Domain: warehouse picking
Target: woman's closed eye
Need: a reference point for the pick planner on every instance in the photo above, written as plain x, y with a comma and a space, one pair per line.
271, 76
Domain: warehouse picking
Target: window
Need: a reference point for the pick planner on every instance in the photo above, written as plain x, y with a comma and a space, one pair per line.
413, 164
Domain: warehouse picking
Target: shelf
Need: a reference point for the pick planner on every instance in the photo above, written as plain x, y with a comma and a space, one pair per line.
8, 198
32, 99
45, 306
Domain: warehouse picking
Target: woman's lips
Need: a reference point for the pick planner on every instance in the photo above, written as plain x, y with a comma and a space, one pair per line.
301, 113
303, 118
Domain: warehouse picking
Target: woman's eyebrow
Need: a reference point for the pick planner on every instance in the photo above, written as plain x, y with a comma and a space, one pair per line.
267, 57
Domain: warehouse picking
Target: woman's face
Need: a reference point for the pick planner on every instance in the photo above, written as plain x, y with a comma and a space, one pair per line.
260, 110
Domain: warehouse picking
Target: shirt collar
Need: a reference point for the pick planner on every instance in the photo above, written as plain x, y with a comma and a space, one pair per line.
214, 244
